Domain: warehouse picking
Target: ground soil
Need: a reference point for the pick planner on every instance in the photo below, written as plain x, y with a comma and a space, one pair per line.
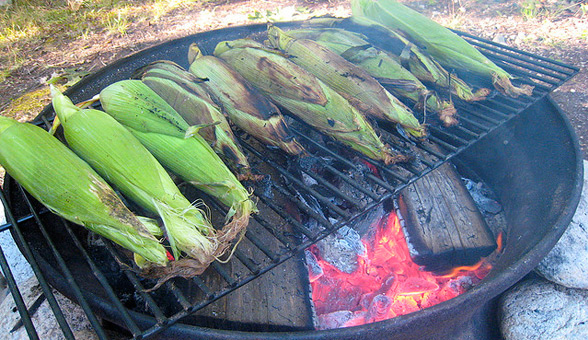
561, 34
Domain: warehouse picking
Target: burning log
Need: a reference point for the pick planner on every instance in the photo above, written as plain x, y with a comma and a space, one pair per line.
443, 226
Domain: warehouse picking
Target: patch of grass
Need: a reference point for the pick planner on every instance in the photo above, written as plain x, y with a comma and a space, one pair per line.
28, 21
530, 9
116, 21
534, 9
28, 105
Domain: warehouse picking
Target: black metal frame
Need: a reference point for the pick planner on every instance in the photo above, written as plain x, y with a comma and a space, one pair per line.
476, 121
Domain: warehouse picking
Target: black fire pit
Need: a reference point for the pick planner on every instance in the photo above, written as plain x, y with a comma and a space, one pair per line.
524, 149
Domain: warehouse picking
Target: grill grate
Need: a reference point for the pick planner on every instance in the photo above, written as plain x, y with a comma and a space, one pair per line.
275, 235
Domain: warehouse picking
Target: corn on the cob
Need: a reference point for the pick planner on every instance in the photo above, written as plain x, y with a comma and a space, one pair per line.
445, 46
304, 95
419, 63
123, 161
380, 65
245, 106
156, 125
182, 91
350, 81
69, 187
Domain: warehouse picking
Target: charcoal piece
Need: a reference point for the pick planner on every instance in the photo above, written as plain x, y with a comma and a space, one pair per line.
443, 227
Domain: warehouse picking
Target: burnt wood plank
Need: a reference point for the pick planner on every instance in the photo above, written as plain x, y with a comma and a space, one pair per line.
442, 224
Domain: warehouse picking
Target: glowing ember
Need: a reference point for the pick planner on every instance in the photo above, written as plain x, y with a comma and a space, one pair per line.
386, 284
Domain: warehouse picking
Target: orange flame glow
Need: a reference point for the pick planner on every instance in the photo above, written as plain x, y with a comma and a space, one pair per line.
387, 283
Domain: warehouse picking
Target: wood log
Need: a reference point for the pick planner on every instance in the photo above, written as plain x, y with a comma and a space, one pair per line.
442, 224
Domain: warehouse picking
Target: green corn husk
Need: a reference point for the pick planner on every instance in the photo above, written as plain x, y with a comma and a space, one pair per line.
445, 46
304, 95
70, 188
245, 106
350, 81
155, 124
380, 65
122, 160
420, 64
183, 92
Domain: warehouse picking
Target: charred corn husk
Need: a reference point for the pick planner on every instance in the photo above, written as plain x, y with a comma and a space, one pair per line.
246, 107
182, 91
122, 160
353, 83
420, 64
445, 46
304, 95
163, 132
69, 187
380, 65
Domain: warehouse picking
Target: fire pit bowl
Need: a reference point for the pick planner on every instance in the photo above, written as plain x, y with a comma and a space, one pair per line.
532, 163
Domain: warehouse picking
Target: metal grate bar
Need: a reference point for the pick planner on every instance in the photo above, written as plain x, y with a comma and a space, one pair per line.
299, 184
22, 219
38, 273
532, 58
186, 305
223, 273
351, 182
203, 287
253, 268
527, 63
251, 237
331, 187
67, 273
265, 224
309, 140
305, 208
17, 297
529, 74
287, 217
132, 326
157, 312
473, 122
476, 111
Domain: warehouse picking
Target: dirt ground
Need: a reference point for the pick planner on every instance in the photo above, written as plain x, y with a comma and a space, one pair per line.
561, 35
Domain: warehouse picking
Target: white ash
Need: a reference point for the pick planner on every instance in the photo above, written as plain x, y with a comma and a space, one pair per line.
308, 181
314, 269
342, 248
334, 320
483, 197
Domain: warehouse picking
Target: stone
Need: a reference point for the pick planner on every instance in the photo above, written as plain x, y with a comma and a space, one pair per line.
567, 263
539, 309
43, 319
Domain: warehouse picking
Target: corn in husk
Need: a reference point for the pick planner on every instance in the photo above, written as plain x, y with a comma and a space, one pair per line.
305, 96
445, 46
419, 63
245, 106
119, 157
163, 132
350, 81
70, 188
182, 90
380, 65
